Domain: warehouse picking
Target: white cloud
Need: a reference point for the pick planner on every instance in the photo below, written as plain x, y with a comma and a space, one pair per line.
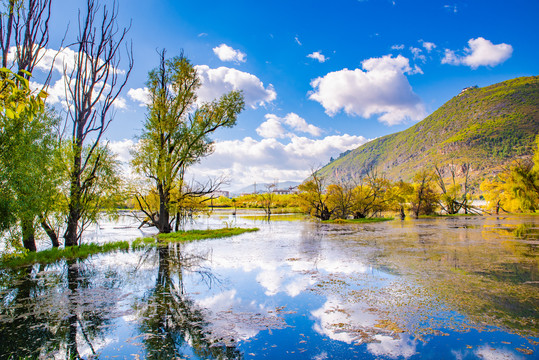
273, 126
140, 95
317, 55
62, 63
381, 88
397, 47
297, 41
216, 82
491, 353
418, 54
391, 347
226, 53
248, 160
481, 52
428, 45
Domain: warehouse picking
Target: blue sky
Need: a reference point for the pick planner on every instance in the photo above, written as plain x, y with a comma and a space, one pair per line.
320, 77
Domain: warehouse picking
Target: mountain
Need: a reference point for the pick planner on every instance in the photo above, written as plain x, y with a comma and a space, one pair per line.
485, 127
263, 187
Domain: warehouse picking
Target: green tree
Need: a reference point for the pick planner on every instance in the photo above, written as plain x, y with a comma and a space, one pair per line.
176, 132
26, 150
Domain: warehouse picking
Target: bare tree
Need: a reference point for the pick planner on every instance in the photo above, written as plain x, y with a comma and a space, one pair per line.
93, 85
454, 196
267, 198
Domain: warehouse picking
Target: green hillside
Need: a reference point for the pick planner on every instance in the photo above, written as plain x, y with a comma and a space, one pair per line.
486, 127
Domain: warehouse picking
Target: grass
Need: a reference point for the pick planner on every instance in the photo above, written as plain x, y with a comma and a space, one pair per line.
50, 256
190, 235
359, 221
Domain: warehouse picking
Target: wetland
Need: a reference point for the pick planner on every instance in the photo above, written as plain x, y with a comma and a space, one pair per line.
462, 287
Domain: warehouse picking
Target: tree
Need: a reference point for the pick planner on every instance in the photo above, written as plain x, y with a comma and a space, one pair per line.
369, 196
340, 199
267, 199
424, 198
176, 133
25, 33
93, 85
516, 188
25, 153
398, 197
312, 198
454, 196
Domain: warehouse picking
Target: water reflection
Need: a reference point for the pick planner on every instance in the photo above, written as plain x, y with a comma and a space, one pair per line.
171, 324
55, 312
402, 289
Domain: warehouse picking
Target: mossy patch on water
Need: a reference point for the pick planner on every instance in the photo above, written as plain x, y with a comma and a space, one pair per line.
359, 221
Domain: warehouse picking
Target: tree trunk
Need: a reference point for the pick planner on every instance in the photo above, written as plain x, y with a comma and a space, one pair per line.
164, 215
28, 235
50, 232
74, 215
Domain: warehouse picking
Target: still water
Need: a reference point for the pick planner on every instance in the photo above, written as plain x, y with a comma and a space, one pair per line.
448, 288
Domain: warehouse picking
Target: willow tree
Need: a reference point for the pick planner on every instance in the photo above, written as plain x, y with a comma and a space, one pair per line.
176, 131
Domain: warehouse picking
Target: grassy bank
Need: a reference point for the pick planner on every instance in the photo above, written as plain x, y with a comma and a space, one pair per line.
50, 256
190, 235
69, 253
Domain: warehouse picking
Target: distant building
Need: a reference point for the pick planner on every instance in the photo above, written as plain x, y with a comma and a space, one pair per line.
220, 193
290, 190
467, 88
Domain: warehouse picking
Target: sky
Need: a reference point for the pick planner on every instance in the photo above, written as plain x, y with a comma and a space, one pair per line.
319, 77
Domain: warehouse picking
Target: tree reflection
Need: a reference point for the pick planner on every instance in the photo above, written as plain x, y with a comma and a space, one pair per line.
54, 314
171, 323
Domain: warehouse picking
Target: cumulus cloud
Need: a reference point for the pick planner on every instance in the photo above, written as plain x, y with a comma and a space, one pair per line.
227, 53
273, 126
317, 55
381, 88
480, 52
216, 82
248, 160
428, 45
418, 54
62, 63
140, 95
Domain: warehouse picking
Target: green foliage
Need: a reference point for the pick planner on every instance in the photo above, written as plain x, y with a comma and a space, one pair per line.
28, 178
176, 132
189, 235
50, 256
516, 189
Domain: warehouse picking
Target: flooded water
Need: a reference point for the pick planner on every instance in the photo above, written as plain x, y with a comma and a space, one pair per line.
448, 288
